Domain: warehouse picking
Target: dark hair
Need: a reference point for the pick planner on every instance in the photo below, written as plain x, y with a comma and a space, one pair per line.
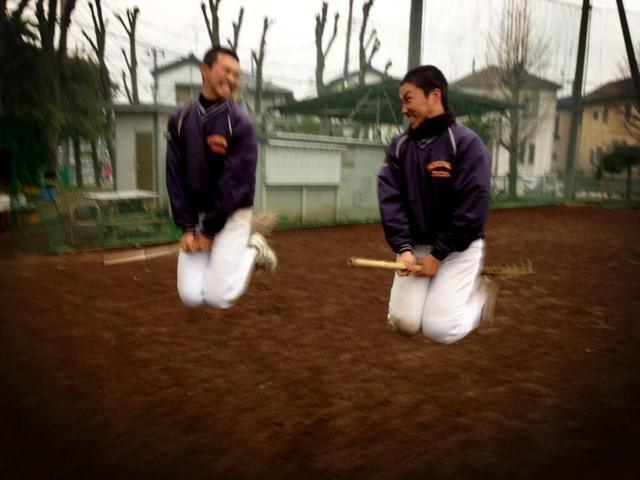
211, 55
428, 78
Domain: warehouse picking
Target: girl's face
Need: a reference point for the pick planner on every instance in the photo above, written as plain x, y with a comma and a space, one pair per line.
417, 106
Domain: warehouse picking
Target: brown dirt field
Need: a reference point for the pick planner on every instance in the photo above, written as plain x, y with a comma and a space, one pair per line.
104, 374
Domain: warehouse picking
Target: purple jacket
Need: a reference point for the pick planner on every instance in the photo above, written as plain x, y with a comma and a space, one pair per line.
434, 188
211, 164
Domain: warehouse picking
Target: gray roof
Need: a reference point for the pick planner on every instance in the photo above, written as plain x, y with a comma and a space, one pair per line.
616, 90
488, 78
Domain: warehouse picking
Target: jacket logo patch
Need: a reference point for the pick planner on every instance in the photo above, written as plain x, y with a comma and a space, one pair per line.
439, 169
217, 144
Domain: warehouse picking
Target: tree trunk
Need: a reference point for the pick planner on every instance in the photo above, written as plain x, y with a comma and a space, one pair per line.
97, 178
514, 144
77, 154
345, 71
111, 148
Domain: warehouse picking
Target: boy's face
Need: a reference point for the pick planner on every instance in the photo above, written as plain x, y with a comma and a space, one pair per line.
221, 79
417, 106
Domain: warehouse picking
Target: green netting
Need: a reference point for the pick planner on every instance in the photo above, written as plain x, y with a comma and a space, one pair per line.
67, 225
379, 103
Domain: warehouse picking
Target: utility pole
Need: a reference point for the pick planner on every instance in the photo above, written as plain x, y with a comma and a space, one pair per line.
576, 104
154, 54
156, 128
415, 35
633, 64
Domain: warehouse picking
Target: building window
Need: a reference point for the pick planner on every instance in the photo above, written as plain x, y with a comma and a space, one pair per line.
187, 93
605, 114
594, 115
183, 95
532, 153
556, 128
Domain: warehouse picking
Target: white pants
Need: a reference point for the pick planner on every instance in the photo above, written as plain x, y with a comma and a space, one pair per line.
220, 276
447, 307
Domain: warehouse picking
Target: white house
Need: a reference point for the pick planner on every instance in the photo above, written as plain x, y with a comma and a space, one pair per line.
538, 119
141, 147
180, 82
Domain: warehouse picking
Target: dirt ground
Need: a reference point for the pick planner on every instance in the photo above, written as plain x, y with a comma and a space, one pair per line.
104, 374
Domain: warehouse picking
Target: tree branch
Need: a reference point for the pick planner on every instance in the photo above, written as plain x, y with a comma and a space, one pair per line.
126, 87
333, 35
94, 47
17, 12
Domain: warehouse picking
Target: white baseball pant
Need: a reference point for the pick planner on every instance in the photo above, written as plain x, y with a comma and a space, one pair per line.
448, 306
220, 276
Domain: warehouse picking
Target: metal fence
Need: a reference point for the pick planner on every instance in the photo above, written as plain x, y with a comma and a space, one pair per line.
307, 180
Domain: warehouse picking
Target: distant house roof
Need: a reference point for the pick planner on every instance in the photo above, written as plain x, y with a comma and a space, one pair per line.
488, 77
616, 90
188, 60
352, 77
247, 79
609, 92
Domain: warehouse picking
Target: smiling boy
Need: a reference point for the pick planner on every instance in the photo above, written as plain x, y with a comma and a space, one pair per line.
211, 167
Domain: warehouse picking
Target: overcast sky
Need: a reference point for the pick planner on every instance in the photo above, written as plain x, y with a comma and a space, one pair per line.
455, 36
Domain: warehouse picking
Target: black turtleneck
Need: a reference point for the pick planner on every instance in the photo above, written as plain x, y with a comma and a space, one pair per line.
206, 103
432, 126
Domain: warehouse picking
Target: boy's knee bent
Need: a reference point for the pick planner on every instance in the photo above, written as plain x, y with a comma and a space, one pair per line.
440, 331
219, 298
190, 299
403, 324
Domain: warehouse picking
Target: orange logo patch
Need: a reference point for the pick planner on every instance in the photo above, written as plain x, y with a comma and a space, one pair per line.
439, 169
217, 144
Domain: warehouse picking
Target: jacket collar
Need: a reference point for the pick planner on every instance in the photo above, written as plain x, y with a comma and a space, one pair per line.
431, 127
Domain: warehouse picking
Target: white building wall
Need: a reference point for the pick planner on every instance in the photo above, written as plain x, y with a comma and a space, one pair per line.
542, 137
184, 74
127, 126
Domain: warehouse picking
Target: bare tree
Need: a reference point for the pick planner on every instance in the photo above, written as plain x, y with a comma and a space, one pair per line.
516, 53
65, 21
345, 70
321, 53
77, 155
387, 66
7, 20
126, 87
258, 59
213, 25
236, 31
629, 113
97, 178
131, 60
47, 22
366, 58
99, 47
631, 120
